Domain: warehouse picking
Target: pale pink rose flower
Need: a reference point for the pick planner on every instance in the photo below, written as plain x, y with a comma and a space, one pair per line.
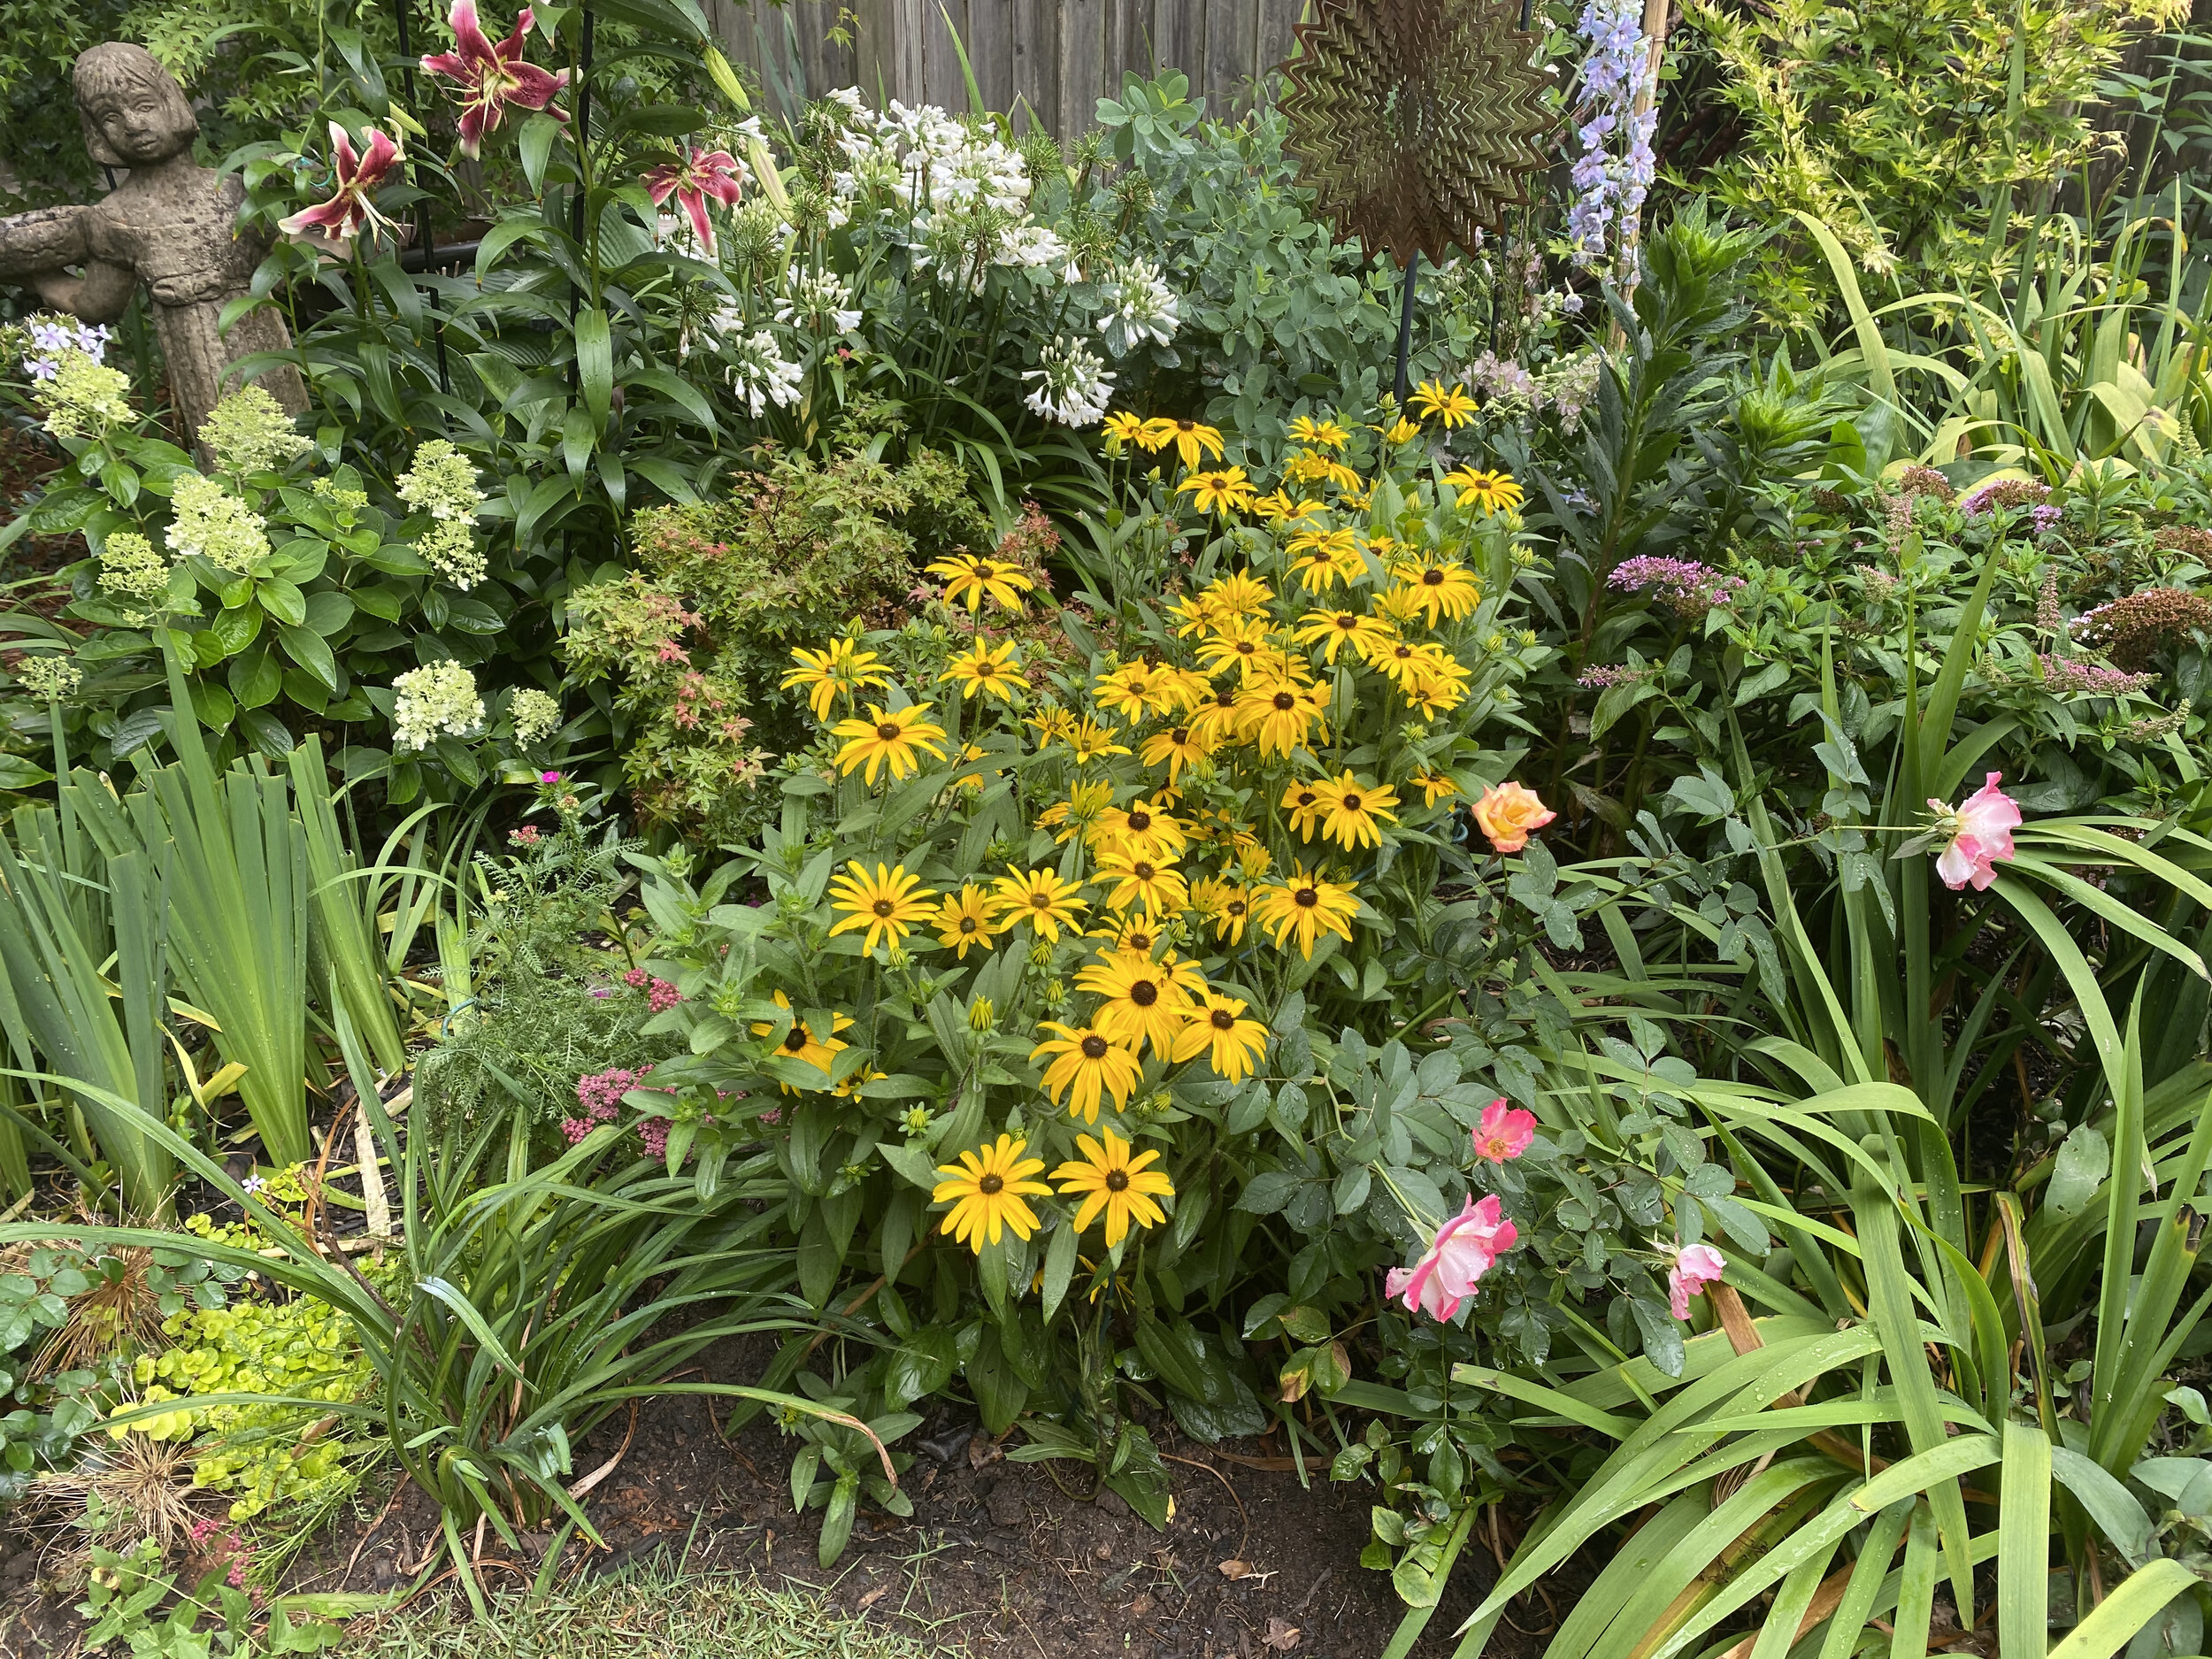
1466, 1247
1695, 1267
1981, 831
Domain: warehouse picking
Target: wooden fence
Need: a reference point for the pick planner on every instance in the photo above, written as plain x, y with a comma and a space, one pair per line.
1053, 58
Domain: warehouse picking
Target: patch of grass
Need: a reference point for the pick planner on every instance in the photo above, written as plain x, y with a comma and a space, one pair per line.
650, 1610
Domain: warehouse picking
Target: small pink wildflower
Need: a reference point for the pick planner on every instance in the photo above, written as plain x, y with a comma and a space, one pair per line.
1504, 1132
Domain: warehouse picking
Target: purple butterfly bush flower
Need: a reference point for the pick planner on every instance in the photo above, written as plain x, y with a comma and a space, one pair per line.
1683, 586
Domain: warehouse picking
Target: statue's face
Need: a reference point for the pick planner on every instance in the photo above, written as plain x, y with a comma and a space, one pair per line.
134, 122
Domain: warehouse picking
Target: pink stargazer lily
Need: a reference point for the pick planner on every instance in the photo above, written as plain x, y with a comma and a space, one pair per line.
350, 206
1980, 830
1695, 1267
699, 174
1466, 1247
1503, 1134
493, 77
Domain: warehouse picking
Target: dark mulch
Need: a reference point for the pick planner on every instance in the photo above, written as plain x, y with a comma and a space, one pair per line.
995, 1559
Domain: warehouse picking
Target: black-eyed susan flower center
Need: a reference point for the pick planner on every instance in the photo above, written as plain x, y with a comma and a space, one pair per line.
1116, 1180
888, 732
1403, 653
1285, 700
884, 907
1305, 898
1141, 822
990, 1184
1180, 735
1236, 907
1144, 993
1347, 622
796, 1041
1041, 901
1305, 797
1224, 699
967, 924
1351, 803
1223, 1019
1433, 579
1094, 1047
1142, 871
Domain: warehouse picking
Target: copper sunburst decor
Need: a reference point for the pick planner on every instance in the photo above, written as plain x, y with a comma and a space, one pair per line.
1416, 122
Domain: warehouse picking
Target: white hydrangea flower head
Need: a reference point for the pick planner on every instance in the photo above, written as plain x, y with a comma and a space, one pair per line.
133, 574
1073, 388
437, 700
209, 521
82, 398
441, 482
249, 432
450, 548
536, 715
48, 676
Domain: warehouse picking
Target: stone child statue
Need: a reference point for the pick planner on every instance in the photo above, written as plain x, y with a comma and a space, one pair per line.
169, 225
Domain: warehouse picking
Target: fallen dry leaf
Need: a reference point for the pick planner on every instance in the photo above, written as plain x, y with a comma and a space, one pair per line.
1143, 1605
983, 1449
877, 1595
1234, 1569
1282, 1635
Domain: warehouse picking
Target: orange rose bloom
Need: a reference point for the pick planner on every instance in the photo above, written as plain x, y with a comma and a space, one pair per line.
1508, 813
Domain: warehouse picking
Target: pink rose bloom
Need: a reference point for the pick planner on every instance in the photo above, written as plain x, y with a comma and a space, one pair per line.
1694, 1267
1464, 1248
1981, 831
1503, 1134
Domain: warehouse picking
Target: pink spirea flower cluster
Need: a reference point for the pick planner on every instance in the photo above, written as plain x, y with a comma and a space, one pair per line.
220, 1544
1684, 586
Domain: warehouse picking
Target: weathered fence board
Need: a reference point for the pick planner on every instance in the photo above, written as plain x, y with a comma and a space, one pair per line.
1048, 60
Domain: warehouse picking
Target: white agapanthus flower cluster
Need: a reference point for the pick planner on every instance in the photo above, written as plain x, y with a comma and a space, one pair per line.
957, 193
442, 481
1072, 386
208, 520
437, 700
819, 304
758, 372
1140, 306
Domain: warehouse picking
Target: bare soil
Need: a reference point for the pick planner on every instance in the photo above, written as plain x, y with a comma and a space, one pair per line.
996, 1558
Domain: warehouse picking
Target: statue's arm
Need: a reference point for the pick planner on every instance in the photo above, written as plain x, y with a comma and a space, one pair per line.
36, 247
100, 295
